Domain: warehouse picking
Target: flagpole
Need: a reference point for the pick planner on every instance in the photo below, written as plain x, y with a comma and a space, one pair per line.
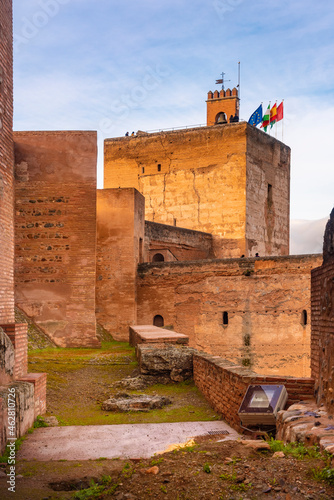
239, 79
239, 93
283, 121
269, 115
276, 121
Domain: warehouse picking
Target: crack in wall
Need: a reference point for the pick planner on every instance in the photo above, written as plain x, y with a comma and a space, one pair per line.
198, 197
164, 200
166, 153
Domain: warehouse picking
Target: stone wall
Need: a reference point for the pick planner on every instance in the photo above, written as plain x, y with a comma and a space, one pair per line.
6, 165
323, 322
267, 195
120, 248
183, 244
255, 312
224, 385
20, 392
55, 258
210, 179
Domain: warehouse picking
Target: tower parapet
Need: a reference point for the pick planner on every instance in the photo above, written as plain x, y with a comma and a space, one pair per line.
222, 106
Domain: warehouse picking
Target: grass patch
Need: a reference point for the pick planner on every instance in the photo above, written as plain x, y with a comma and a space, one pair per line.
96, 490
325, 474
80, 379
296, 450
5, 456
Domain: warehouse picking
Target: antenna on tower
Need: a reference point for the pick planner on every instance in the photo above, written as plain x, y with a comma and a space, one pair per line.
222, 81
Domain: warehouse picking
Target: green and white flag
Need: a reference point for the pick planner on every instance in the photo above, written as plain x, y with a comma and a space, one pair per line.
266, 118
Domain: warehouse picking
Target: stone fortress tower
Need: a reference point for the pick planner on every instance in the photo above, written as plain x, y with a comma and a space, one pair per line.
227, 179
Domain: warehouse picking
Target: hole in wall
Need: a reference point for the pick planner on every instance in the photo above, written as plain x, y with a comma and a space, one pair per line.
158, 320
304, 317
247, 340
158, 257
225, 318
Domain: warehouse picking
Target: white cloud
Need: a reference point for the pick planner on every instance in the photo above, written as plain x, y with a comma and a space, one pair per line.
306, 236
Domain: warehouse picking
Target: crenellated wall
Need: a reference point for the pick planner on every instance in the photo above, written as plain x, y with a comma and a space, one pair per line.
223, 101
55, 256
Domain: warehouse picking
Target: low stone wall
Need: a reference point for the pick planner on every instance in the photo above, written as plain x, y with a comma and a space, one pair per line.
24, 393
38, 380
17, 333
224, 385
306, 423
24, 410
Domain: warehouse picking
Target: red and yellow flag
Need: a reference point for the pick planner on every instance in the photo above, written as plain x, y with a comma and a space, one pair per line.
273, 115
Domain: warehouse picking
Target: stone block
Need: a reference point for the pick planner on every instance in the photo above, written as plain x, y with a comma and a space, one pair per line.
175, 361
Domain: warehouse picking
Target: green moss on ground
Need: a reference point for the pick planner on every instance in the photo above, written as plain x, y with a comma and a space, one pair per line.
79, 380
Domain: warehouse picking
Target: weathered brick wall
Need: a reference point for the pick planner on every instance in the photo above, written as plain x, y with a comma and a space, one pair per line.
266, 302
184, 244
55, 257
224, 385
120, 248
322, 339
210, 179
6, 165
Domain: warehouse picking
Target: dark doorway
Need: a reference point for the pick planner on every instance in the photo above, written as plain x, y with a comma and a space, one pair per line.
158, 321
158, 257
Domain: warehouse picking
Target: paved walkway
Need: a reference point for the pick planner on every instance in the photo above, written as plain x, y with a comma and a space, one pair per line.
113, 441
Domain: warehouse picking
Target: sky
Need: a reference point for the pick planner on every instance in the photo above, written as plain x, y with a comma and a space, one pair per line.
115, 66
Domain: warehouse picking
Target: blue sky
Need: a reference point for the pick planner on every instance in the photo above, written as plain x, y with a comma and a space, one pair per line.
116, 66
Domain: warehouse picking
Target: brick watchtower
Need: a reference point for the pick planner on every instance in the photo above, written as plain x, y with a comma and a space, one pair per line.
221, 106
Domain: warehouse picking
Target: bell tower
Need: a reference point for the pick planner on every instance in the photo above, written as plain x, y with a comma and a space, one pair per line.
222, 107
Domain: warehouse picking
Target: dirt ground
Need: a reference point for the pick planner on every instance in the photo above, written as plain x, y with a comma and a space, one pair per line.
80, 379
210, 470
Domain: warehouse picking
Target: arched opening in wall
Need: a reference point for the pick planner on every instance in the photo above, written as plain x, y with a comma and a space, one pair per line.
159, 167
225, 318
221, 118
158, 321
158, 257
304, 317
